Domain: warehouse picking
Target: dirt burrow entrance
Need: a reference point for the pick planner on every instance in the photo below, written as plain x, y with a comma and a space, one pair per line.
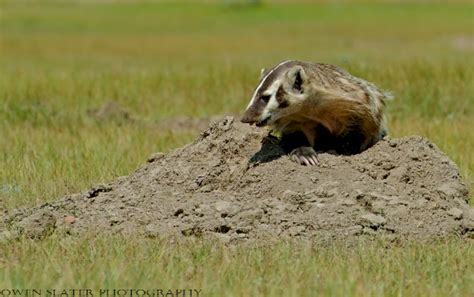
230, 185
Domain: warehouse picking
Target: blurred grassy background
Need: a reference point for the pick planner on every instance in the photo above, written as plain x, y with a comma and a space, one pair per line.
159, 60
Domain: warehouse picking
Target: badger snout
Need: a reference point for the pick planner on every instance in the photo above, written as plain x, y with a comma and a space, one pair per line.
251, 116
247, 120
257, 122
253, 113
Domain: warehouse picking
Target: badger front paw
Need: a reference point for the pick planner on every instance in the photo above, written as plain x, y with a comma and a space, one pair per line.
304, 155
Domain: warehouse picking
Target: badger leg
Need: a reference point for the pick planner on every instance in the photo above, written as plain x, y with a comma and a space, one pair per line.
306, 155
270, 139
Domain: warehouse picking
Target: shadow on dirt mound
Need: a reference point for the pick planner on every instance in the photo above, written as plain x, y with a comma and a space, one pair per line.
230, 185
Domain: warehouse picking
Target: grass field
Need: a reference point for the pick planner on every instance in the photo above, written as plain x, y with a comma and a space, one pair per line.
165, 60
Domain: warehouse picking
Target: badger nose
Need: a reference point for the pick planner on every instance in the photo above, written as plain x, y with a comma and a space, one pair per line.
246, 120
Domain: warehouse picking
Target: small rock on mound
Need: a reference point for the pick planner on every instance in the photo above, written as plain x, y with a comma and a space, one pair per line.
232, 185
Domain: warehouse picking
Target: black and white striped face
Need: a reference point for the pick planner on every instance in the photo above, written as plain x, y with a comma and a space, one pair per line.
278, 89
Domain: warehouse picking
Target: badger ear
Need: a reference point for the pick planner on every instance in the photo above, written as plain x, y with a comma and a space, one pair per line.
263, 73
297, 77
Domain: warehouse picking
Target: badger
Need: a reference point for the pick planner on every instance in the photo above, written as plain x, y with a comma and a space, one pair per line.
317, 107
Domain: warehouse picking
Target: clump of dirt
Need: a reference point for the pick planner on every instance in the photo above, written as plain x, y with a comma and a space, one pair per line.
110, 111
231, 185
113, 112
463, 43
187, 124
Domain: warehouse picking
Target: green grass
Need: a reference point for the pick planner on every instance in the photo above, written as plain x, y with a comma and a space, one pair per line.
164, 60
287, 269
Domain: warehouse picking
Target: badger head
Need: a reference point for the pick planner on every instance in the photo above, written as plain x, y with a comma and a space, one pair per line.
279, 94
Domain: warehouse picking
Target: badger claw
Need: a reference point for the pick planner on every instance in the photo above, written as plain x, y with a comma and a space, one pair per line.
304, 155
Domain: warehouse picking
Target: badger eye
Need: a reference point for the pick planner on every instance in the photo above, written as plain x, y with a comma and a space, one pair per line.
265, 98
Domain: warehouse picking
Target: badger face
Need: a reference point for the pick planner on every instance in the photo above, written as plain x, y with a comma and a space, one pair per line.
278, 94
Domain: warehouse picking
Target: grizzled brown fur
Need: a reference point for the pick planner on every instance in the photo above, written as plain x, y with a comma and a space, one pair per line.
320, 106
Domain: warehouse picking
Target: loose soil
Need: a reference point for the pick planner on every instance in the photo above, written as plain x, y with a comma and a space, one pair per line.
234, 183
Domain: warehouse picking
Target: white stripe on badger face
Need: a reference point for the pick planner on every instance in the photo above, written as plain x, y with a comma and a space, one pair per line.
252, 101
272, 103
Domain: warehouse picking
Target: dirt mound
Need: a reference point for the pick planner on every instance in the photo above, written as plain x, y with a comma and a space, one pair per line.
111, 111
231, 185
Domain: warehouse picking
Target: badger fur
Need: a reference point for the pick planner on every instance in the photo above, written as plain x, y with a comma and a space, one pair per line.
317, 107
